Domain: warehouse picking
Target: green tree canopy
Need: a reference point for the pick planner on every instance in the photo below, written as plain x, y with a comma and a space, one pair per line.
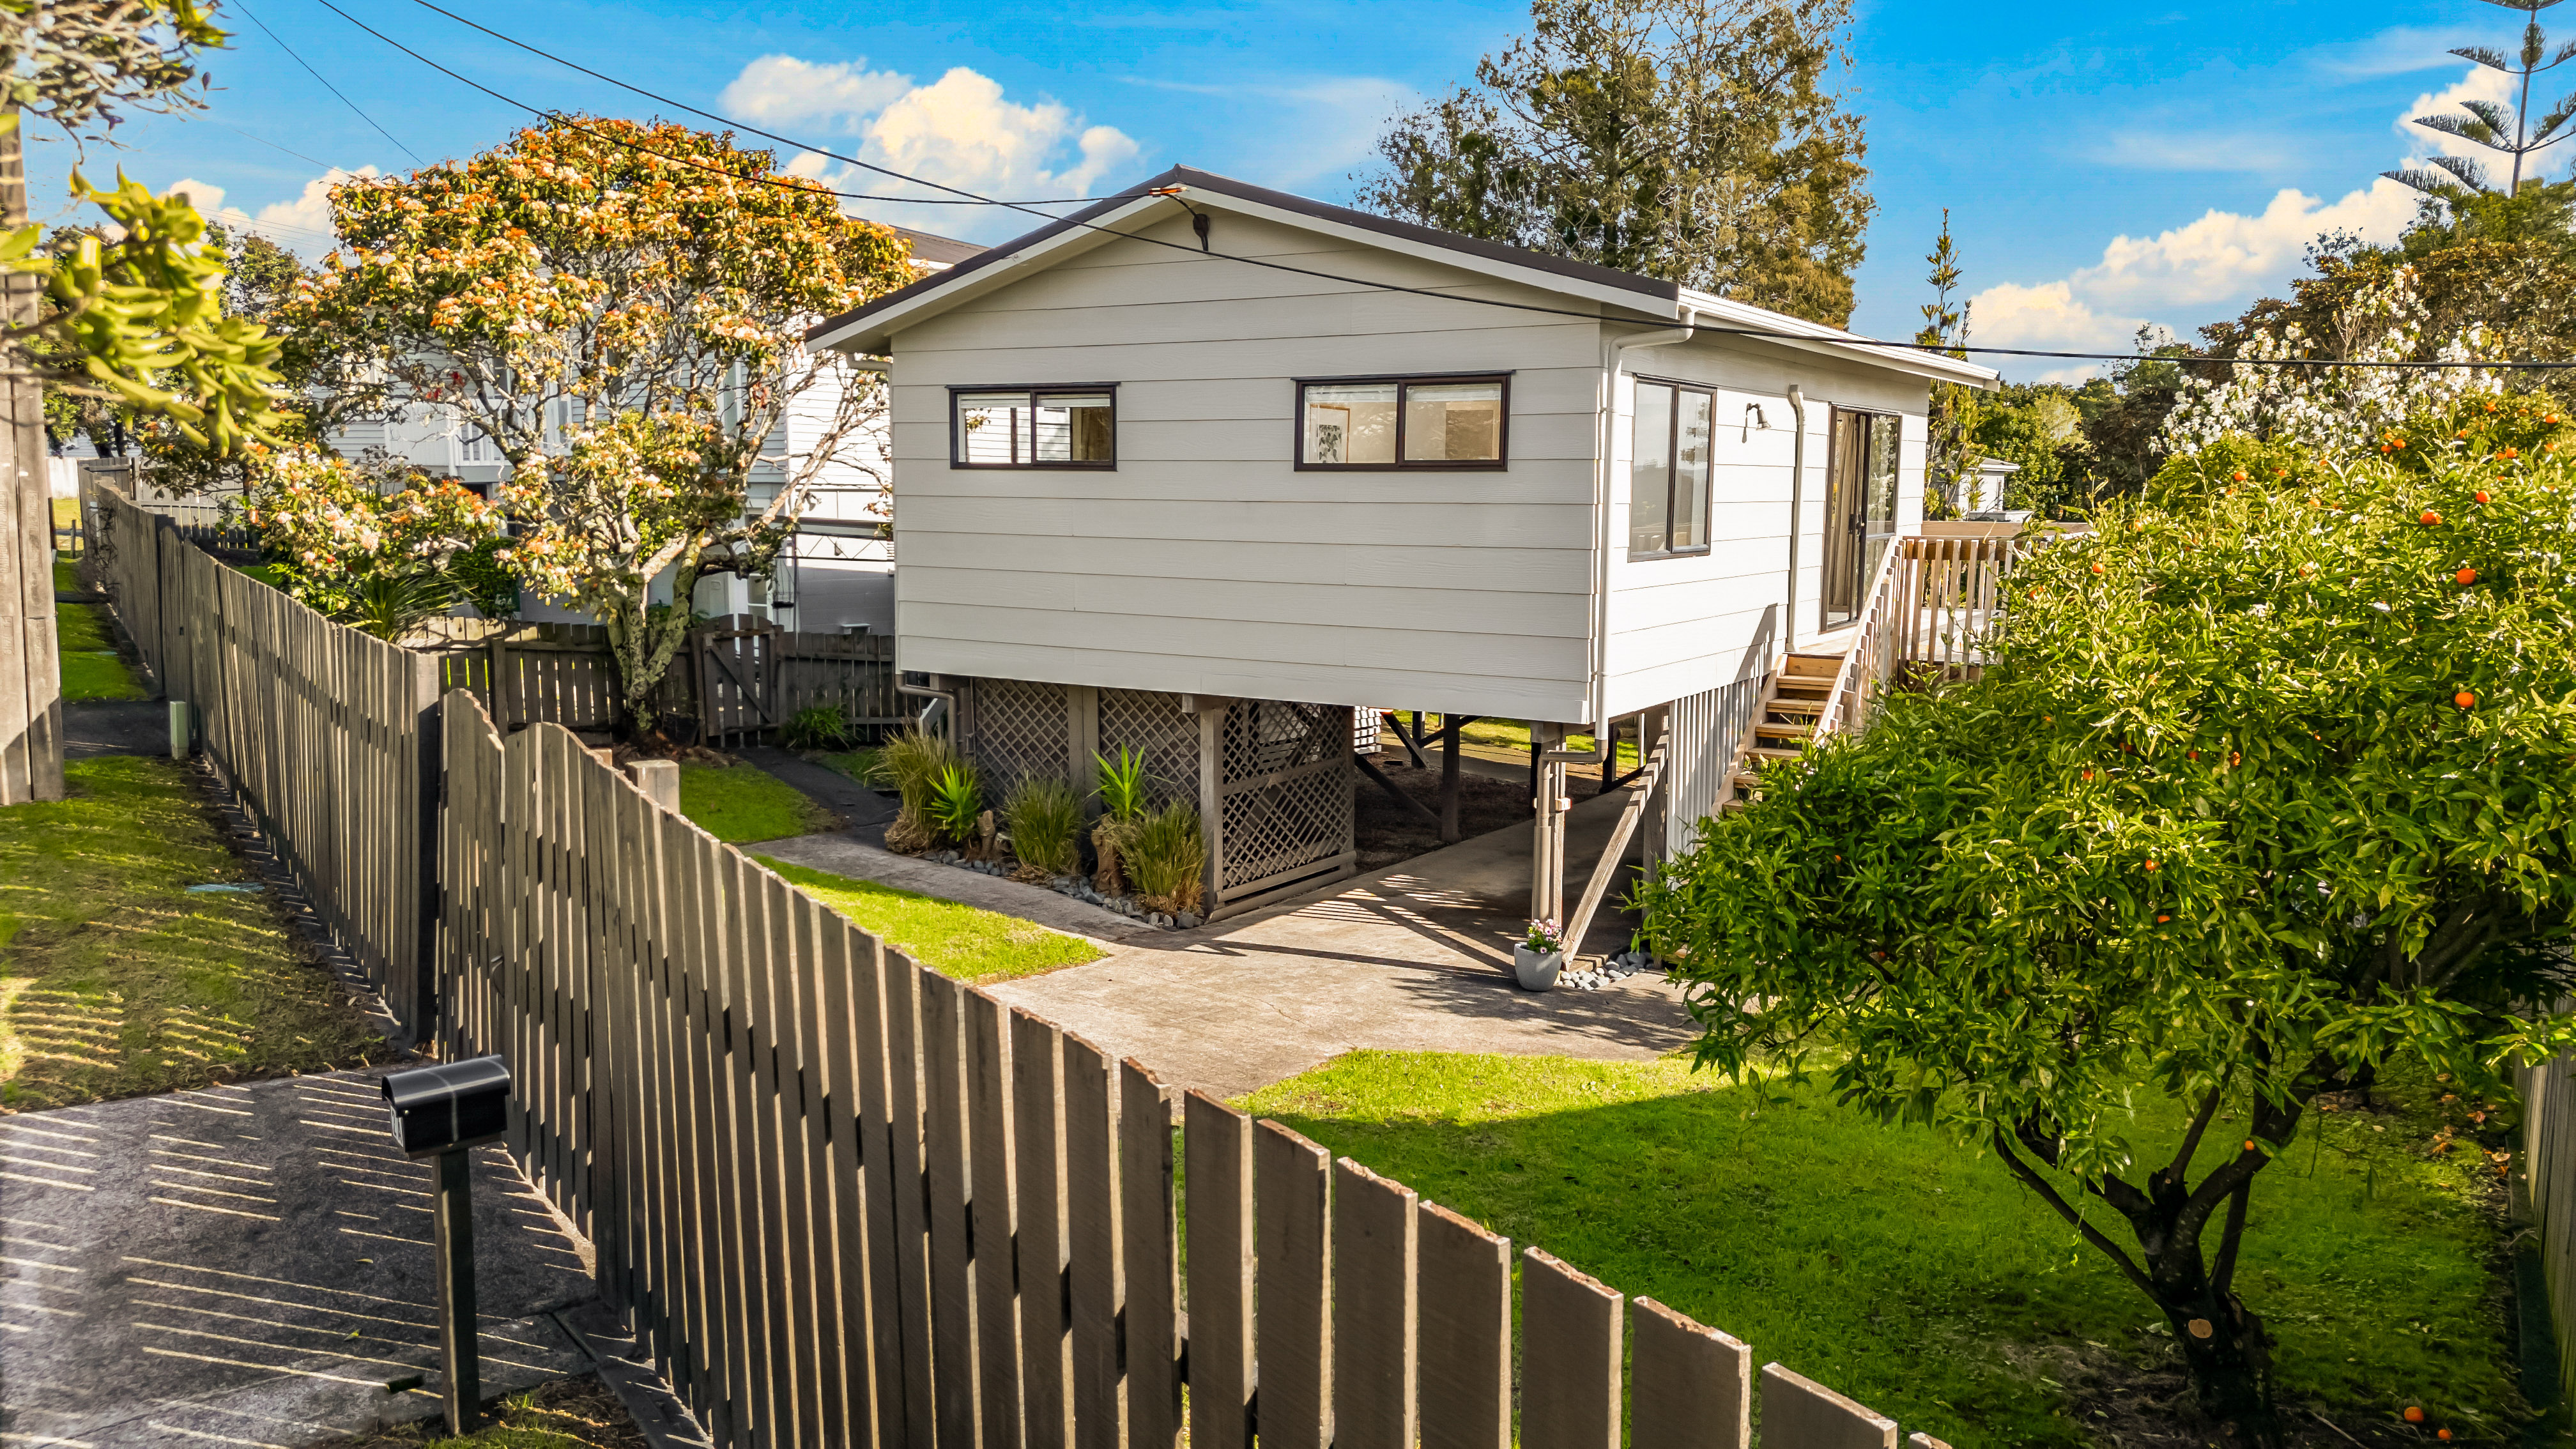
2268, 787
1696, 141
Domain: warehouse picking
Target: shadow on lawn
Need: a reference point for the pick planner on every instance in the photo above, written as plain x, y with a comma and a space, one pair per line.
1917, 1277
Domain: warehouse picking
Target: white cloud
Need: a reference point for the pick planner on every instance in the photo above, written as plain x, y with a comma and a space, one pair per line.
2480, 84
784, 89
302, 226
2228, 254
2189, 274
960, 130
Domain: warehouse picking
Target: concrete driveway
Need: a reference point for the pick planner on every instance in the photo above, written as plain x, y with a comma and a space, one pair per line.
251, 1265
1417, 957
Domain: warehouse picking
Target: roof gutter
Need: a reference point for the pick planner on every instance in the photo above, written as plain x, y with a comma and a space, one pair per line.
1612, 349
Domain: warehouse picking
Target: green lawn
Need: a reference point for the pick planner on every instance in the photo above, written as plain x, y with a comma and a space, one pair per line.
741, 802
954, 940
1513, 735
116, 981
1915, 1275
90, 666
853, 763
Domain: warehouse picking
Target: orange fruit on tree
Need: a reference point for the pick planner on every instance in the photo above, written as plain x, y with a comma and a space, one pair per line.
2097, 568
2443, 1434
2151, 865
2249, 1144
2414, 1414
2431, 519
2465, 700
2480, 495
2240, 477
2160, 920
2466, 577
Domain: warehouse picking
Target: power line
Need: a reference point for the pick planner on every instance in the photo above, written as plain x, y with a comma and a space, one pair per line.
273, 146
969, 197
326, 85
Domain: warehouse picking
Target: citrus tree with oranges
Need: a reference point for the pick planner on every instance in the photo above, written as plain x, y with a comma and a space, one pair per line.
2270, 786
619, 308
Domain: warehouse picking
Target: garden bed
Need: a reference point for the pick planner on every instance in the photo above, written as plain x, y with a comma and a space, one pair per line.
1918, 1277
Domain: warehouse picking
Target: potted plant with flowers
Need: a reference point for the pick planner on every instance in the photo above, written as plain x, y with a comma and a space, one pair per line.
1539, 955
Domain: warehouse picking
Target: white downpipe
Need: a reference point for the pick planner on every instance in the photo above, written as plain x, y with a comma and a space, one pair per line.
1797, 512
1611, 351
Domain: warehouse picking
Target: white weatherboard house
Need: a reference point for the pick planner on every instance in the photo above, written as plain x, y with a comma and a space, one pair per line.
1204, 467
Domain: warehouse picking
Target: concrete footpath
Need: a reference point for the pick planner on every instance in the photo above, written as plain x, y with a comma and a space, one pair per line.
251, 1265
1417, 957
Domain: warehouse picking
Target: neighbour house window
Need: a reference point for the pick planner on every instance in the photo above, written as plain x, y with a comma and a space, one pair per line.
1034, 428
1669, 472
1402, 422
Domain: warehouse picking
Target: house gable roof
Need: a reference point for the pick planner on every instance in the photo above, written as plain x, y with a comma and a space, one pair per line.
869, 328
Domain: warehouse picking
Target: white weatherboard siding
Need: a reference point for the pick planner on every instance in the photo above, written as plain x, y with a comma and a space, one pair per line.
1681, 626
1206, 563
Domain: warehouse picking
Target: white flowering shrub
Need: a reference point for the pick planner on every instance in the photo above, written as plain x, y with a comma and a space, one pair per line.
2332, 409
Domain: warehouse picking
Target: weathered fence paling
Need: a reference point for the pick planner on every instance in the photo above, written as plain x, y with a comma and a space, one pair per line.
848, 1201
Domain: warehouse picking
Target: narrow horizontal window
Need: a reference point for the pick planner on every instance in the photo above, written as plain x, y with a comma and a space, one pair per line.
1398, 422
1033, 428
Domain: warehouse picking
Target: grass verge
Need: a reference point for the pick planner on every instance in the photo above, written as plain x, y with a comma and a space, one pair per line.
740, 802
116, 980
1914, 1274
957, 941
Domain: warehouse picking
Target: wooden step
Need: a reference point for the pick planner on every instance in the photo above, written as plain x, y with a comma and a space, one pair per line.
1799, 704
1812, 665
1794, 729
1765, 752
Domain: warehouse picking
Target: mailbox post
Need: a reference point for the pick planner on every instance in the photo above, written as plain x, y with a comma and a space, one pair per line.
440, 1112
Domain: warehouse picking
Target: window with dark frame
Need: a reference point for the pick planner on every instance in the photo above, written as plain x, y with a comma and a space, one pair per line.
1033, 427
1668, 472
1382, 423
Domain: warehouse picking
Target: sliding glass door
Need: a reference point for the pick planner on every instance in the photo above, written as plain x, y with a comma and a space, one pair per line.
1860, 507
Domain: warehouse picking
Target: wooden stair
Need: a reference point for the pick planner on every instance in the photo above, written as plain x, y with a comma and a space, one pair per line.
1792, 700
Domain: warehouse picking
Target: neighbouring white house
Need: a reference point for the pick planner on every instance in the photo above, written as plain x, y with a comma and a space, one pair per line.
1203, 468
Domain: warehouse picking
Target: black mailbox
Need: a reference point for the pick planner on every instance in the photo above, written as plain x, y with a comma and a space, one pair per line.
450, 1106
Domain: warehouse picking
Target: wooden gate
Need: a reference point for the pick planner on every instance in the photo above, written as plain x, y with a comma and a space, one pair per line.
737, 677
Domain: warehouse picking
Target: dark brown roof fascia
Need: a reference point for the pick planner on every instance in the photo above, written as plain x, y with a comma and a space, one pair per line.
1198, 180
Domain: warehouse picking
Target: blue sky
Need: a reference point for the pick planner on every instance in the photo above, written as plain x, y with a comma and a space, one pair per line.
2103, 165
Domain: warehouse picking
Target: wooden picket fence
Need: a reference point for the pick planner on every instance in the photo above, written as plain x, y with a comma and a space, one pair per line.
328, 736
848, 1201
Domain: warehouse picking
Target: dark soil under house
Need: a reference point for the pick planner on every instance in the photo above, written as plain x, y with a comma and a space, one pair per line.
1388, 833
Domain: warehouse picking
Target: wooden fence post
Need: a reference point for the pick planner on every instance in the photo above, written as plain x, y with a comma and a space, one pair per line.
1571, 1324
1217, 1142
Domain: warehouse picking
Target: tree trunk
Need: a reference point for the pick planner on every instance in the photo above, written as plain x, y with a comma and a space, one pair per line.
2223, 1343
31, 706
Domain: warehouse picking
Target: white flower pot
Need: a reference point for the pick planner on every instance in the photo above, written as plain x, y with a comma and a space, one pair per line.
1536, 969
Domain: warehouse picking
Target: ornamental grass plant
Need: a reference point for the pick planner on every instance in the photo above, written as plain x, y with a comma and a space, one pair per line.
1044, 817
912, 763
1167, 860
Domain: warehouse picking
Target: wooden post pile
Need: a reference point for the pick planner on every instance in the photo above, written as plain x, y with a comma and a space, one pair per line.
850, 1201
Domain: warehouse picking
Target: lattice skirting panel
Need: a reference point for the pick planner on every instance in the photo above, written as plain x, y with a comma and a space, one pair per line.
1284, 809
1153, 726
1276, 806
1021, 731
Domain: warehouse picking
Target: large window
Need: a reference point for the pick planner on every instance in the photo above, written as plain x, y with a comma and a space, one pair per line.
1402, 422
1668, 477
1041, 427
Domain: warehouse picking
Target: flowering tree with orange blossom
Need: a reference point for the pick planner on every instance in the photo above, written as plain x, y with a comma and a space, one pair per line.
619, 307
2270, 788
